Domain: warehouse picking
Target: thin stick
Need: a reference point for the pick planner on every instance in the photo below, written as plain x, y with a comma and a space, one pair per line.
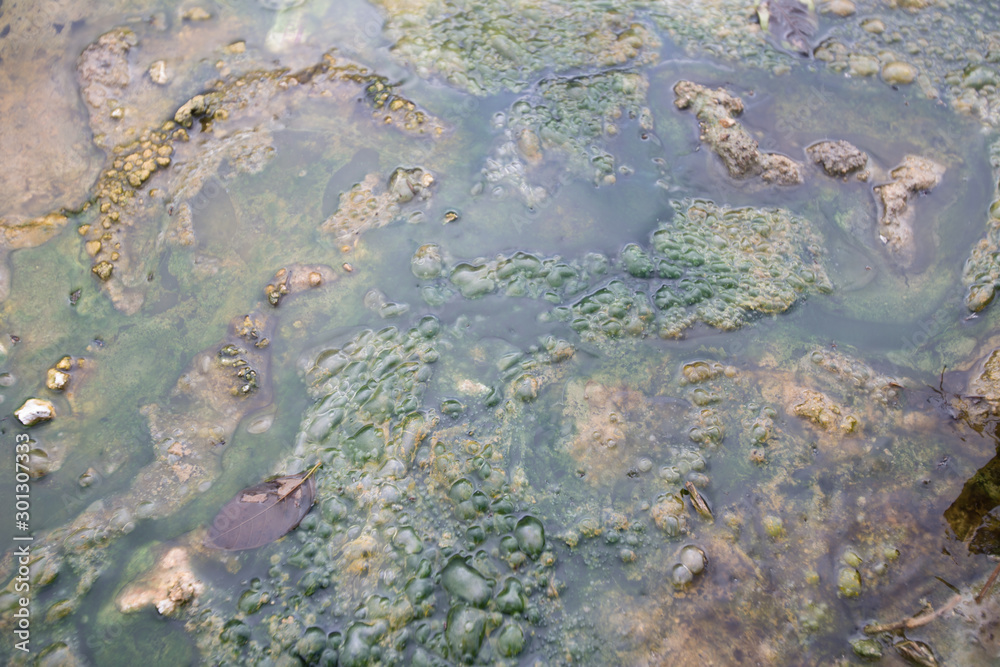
915, 621
988, 585
299, 483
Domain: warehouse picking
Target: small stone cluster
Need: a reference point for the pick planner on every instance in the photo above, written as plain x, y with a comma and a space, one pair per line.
294, 279
117, 194
251, 330
37, 410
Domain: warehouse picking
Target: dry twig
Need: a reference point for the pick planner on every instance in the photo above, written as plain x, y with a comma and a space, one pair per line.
913, 621
988, 585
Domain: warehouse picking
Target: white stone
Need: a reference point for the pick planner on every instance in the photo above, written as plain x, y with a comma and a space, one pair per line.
158, 72
35, 410
168, 586
56, 379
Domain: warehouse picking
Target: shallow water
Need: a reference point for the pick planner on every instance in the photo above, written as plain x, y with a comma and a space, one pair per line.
520, 423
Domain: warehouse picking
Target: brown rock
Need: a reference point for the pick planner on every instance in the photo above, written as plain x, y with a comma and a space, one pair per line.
838, 158
916, 174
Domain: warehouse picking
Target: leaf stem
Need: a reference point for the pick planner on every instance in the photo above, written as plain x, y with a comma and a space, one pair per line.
312, 470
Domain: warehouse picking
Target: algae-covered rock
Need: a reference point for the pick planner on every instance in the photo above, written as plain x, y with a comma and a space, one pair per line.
716, 111
868, 649
981, 273
404, 507
849, 582
566, 120
714, 265
718, 265
484, 48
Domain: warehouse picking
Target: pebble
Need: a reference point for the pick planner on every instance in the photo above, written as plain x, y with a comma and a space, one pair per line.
839, 7
158, 72
693, 559
196, 14
87, 478
895, 73
56, 379
862, 65
874, 26
35, 410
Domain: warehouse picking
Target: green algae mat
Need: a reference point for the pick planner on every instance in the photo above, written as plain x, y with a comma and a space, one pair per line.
444, 332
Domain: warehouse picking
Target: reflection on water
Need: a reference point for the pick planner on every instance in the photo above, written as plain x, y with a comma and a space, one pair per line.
587, 384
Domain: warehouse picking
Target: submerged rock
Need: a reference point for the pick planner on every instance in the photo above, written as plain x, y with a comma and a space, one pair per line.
839, 158
716, 111
103, 73
821, 410
167, 586
913, 176
374, 203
